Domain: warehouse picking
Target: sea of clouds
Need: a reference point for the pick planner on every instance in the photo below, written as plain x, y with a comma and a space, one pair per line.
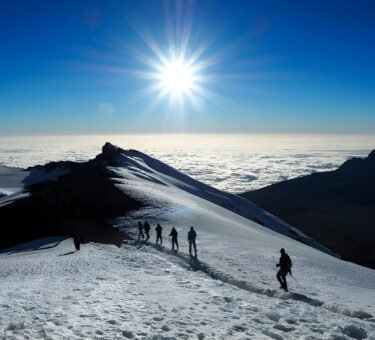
234, 163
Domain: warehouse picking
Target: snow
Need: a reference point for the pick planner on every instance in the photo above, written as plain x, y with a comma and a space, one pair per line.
35, 245
140, 171
38, 175
11, 180
144, 291
14, 181
8, 199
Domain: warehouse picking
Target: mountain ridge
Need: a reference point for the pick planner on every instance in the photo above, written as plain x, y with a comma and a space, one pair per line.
335, 207
72, 196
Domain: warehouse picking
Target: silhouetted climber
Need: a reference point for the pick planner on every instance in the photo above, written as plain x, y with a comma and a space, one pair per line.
159, 230
77, 241
174, 235
285, 265
147, 228
192, 235
140, 231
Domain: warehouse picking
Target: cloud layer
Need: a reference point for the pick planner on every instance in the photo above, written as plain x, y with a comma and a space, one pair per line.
235, 163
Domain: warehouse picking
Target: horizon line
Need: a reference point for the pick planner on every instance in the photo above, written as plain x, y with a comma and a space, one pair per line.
62, 134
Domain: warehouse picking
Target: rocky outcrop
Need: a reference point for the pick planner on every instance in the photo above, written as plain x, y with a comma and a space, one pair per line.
67, 198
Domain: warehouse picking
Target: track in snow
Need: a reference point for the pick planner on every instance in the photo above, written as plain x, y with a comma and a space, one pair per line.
194, 264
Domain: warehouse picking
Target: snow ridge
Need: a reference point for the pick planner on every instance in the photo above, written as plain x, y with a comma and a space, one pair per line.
141, 167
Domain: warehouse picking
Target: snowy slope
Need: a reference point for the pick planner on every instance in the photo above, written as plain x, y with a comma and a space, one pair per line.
141, 291
11, 180
229, 242
12, 184
148, 171
105, 292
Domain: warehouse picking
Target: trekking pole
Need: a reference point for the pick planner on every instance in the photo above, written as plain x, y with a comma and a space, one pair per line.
298, 284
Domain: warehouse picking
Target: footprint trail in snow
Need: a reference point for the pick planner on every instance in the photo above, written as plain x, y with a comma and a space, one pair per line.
105, 292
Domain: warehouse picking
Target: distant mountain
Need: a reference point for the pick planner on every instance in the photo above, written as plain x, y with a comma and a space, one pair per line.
336, 208
63, 198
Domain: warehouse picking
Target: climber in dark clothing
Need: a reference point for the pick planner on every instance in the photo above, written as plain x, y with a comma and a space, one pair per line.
147, 228
140, 231
159, 230
77, 241
174, 235
192, 235
285, 265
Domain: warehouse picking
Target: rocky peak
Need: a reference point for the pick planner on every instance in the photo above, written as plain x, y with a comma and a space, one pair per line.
371, 156
109, 148
110, 151
356, 165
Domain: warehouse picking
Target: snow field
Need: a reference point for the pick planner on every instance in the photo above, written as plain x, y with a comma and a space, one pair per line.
141, 292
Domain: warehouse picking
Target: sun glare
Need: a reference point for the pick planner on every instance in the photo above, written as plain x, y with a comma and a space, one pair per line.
177, 69
176, 77
181, 70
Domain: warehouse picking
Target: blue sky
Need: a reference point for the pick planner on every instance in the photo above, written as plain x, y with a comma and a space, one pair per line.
278, 66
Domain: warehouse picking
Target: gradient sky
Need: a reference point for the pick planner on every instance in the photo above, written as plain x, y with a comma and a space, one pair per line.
278, 66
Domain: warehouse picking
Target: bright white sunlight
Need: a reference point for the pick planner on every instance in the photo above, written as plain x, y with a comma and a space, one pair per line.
177, 77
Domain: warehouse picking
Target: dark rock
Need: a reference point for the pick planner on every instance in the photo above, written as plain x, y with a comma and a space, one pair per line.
371, 156
80, 201
336, 208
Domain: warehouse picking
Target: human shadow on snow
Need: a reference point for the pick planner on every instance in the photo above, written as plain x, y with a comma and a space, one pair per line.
194, 264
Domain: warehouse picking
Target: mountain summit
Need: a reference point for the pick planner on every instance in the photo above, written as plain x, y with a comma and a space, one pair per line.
62, 198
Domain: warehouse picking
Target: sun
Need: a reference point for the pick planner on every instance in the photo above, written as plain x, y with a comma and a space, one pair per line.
177, 68
177, 77
181, 70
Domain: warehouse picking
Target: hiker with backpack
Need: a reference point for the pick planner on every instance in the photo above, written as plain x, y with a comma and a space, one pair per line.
147, 228
140, 231
159, 230
192, 235
174, 235
285, 264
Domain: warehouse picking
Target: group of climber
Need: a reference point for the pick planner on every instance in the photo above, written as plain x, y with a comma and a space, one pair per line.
285, 263
145, 227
